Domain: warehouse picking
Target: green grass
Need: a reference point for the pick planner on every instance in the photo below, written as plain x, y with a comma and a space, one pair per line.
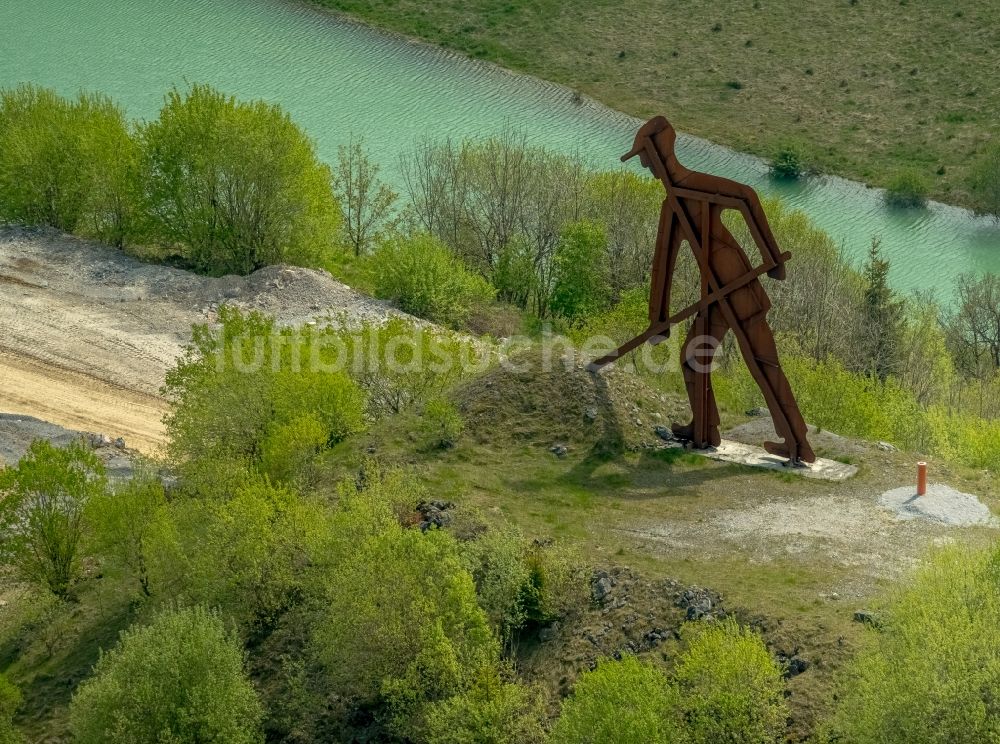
871, 89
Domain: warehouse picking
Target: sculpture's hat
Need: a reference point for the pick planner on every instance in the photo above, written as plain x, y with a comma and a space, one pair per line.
648, 130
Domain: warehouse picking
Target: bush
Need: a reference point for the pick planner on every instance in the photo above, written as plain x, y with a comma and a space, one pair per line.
69, 164
620, 702
441, 424
180, 679
236, 185
42, 504
247, 554
403, 628
731, 689
420, 274
985, 180
492, 712
931, 672
237, 391
906, 189
788, 162
399, 363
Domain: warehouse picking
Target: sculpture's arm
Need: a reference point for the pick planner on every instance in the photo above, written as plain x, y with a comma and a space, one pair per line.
761, 230
664, 260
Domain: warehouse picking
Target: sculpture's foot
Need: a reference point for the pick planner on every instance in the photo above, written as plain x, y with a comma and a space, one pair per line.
685, 432
780, 449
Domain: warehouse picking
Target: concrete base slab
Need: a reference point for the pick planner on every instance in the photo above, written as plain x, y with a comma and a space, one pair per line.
941, 504
757, 457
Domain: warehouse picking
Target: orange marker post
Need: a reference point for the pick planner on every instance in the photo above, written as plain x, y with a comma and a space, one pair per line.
921, 478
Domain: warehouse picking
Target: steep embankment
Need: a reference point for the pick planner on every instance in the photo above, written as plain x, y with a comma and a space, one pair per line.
89, 333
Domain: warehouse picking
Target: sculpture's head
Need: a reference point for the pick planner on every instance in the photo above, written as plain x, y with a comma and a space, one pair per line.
661, 132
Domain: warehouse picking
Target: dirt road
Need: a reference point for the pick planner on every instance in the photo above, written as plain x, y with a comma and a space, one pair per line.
88, 333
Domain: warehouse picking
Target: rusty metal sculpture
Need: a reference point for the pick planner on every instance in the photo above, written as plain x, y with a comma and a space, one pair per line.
732, 297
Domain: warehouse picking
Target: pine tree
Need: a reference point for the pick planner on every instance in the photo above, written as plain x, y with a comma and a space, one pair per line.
882, 318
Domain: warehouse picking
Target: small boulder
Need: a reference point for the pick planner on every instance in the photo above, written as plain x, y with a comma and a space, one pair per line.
559, 450
886, 447
663, 432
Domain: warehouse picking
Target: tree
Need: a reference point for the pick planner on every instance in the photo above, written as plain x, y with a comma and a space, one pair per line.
620, 702
237, 185
42, 508
731, 690
420, 274
881, 319
985, 180
931, 672
124, 519
976, 325
365, 202
180, 679
69, 164
581, 281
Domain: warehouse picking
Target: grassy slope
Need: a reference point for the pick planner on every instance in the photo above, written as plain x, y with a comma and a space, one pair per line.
654, 510
870, 88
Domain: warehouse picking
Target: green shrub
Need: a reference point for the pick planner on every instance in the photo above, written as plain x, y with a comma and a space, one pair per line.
788, 162
985, 181
421, 275
403, 627
180, 679
237, 391
289, 448
491, 712
620, 702
10, 700
247, 554
69, 164
42, 503
235, 185
731, 690
441, 424
930, 674
906, 189
498, 562
399, 363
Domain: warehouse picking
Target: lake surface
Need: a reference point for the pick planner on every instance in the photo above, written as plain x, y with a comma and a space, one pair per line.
337, 78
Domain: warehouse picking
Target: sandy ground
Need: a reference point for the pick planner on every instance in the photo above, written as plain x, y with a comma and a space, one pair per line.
87, 333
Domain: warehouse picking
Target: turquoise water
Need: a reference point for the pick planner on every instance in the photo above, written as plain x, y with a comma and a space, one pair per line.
338, 78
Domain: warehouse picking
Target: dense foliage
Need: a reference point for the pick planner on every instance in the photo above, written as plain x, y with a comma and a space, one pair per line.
236, 185
226, 186
67, 163
930, 673
179, 679
422, 276
725, 687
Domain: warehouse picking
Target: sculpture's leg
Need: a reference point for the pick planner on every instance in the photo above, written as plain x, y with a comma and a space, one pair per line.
765, 352
703, 341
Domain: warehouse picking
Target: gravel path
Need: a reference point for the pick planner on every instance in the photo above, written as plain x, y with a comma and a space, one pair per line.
88, 332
